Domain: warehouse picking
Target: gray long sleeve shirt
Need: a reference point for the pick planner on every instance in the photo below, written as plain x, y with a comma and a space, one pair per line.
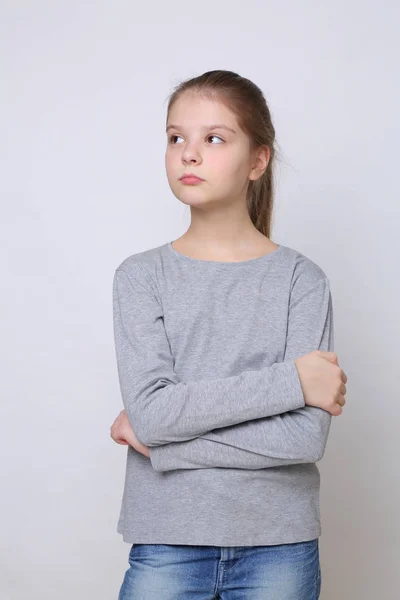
205, 354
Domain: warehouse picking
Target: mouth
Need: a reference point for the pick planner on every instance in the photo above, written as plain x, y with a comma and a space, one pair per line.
191, 179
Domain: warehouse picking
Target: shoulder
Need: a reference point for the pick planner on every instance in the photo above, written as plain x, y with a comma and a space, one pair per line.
141, 261
305, 272
142, 268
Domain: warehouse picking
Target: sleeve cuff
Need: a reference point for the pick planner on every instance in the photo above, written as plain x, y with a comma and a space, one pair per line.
292, 396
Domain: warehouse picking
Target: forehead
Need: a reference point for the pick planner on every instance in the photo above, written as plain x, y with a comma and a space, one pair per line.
196, 111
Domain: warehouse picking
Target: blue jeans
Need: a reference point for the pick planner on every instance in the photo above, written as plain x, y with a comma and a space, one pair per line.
175, 572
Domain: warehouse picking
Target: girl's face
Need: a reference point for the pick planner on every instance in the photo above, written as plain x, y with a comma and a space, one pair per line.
219, 155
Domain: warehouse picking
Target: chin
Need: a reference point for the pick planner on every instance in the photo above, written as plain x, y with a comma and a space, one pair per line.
195, 202
191, 198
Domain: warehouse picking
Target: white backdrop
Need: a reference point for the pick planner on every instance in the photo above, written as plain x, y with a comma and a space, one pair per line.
83, 185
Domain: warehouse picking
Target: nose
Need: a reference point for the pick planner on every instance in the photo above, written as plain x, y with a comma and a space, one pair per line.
191, 155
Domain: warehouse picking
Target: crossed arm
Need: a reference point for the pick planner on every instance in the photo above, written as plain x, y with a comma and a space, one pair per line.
295, 436
254, 420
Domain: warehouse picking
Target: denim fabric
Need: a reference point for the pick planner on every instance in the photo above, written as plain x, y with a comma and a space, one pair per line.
182, 572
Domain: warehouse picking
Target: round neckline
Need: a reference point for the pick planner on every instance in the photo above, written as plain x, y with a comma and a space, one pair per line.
233, 263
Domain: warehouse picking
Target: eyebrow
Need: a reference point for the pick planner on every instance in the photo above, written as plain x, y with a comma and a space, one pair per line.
205, 127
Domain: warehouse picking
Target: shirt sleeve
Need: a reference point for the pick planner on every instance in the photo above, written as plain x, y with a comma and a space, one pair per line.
297, 436
161, 408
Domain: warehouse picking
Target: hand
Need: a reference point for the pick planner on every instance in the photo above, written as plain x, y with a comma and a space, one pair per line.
121, 432
322, 381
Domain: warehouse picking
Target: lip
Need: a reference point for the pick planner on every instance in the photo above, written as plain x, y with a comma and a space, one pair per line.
191, 178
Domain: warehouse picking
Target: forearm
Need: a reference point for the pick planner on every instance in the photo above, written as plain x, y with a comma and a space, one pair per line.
297, 436
182, 411
163, 409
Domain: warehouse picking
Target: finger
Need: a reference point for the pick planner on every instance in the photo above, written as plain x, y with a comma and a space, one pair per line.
336, 410
119, 440
342, 401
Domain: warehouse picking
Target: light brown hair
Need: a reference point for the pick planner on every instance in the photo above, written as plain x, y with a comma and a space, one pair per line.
249, 105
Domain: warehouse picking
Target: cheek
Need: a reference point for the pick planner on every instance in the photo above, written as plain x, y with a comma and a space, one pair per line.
173, 155
227, 169
219, 164
169, 162
173, 169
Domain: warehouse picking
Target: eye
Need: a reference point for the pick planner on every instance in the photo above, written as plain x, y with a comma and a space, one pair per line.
215, 136
173, 136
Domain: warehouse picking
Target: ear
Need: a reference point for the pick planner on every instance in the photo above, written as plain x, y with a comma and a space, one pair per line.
260, 162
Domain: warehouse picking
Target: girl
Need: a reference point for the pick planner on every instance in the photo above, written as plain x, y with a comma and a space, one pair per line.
224, 347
